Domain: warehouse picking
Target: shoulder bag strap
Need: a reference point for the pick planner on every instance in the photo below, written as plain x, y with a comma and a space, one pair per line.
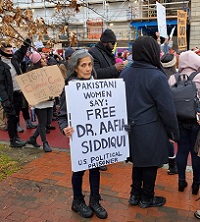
176, 76
191, 77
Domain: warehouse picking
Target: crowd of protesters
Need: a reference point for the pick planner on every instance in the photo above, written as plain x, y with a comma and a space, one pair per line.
151, 65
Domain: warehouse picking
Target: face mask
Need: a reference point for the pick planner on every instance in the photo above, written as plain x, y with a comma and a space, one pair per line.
4, 54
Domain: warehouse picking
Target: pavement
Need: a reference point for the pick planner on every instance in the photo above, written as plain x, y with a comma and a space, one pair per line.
41, 192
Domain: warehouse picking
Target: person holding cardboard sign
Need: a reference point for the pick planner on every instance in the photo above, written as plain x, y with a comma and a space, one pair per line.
80, 67
43, 110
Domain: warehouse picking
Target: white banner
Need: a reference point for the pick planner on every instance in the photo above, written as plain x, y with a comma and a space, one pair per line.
97, 112
161, 19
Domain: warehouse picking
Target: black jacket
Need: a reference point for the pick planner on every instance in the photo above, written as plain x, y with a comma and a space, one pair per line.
104, 62
151, 113
6, 84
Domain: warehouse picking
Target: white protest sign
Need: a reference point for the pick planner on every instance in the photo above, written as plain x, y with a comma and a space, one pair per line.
172, 32
41, 84
38, 44
161, 19
97, 112
170, 44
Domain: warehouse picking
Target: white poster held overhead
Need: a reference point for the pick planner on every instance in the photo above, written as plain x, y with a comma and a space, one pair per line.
97, 112
172, 32
161, 19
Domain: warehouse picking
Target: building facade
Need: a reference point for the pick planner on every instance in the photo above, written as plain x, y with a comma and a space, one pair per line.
127, 18
194, 24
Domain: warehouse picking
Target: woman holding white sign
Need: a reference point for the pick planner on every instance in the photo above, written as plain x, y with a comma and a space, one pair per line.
152, 119
80, 67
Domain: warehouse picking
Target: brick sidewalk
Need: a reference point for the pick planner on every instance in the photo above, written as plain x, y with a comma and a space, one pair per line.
41, 192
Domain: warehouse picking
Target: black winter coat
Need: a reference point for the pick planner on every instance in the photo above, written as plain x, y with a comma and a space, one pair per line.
6, 84
104, 62
151, 114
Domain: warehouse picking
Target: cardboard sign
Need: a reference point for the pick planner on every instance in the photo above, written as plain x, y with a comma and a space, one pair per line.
182, 25
97, 112
161, 19
41, 84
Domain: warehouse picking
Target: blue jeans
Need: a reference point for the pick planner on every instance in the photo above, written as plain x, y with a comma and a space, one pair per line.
94, 179
188, 135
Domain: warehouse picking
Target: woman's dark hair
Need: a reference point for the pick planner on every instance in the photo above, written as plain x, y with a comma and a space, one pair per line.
33, 66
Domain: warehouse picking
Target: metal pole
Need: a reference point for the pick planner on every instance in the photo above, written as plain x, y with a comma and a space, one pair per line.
85, 14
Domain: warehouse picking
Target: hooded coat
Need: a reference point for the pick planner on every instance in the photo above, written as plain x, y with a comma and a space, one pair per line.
150, 106
189, 62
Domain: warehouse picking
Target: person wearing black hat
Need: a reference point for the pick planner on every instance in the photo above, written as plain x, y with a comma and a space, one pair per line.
152, 118
168, 62
10, 93
104, 60
52, 61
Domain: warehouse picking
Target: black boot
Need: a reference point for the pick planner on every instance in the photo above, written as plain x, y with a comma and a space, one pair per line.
46, 147
156, 201
172, 166
195, 188
50, 127
17, 142
32, 141
134, 200
97, 208
182, 184
79, 206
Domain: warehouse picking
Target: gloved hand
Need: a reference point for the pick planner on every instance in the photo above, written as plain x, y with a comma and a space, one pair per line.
27, 42
8, 107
